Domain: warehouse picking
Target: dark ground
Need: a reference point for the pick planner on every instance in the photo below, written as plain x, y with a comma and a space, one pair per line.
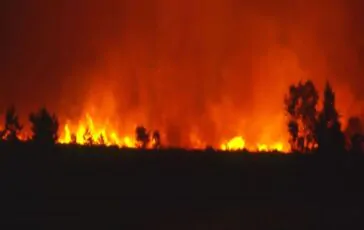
83, 188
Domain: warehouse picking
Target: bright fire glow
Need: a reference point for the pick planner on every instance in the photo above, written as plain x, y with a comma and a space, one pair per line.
204, 73
86, 132
237, 143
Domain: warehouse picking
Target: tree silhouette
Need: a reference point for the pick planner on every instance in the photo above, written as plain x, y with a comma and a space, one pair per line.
142, 137
328, 129
44, 127
156, 137
300, 105
12, 126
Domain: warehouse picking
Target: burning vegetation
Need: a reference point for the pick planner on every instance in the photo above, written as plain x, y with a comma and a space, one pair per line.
310, 129
193, 73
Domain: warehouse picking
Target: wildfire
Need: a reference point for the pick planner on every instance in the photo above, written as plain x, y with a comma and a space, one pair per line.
274, 147
87, 133
238, 143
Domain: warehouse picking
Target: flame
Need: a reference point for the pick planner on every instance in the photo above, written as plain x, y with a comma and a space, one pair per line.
86, 132
274, 147
223, 66
237, 143
91, 130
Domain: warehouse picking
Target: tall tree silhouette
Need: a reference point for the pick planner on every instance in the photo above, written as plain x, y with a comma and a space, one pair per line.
142, 137
12, 126
44, 127
300, 105
328, 130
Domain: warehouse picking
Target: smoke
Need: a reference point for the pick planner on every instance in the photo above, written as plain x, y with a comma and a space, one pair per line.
211, 69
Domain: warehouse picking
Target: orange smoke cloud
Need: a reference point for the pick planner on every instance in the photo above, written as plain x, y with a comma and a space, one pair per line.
201, 72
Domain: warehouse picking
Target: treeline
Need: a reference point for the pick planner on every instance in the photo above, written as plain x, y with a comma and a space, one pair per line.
45, 127
320, 131
311, 130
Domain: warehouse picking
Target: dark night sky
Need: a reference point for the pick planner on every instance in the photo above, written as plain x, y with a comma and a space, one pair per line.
162, 57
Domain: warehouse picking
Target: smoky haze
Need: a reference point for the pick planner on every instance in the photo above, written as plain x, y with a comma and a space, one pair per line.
211, 69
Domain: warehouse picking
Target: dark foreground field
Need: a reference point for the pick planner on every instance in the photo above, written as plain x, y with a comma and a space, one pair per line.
84, 188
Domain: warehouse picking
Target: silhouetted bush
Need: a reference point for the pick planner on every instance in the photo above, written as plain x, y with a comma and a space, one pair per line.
356, 144
12, 128
354, 134
156, 137
44, 127
142, 137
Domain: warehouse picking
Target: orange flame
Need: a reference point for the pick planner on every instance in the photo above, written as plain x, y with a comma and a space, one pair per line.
237, 143
86, 132
89, 132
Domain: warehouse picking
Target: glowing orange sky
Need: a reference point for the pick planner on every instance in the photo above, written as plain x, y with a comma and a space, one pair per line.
208, 70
